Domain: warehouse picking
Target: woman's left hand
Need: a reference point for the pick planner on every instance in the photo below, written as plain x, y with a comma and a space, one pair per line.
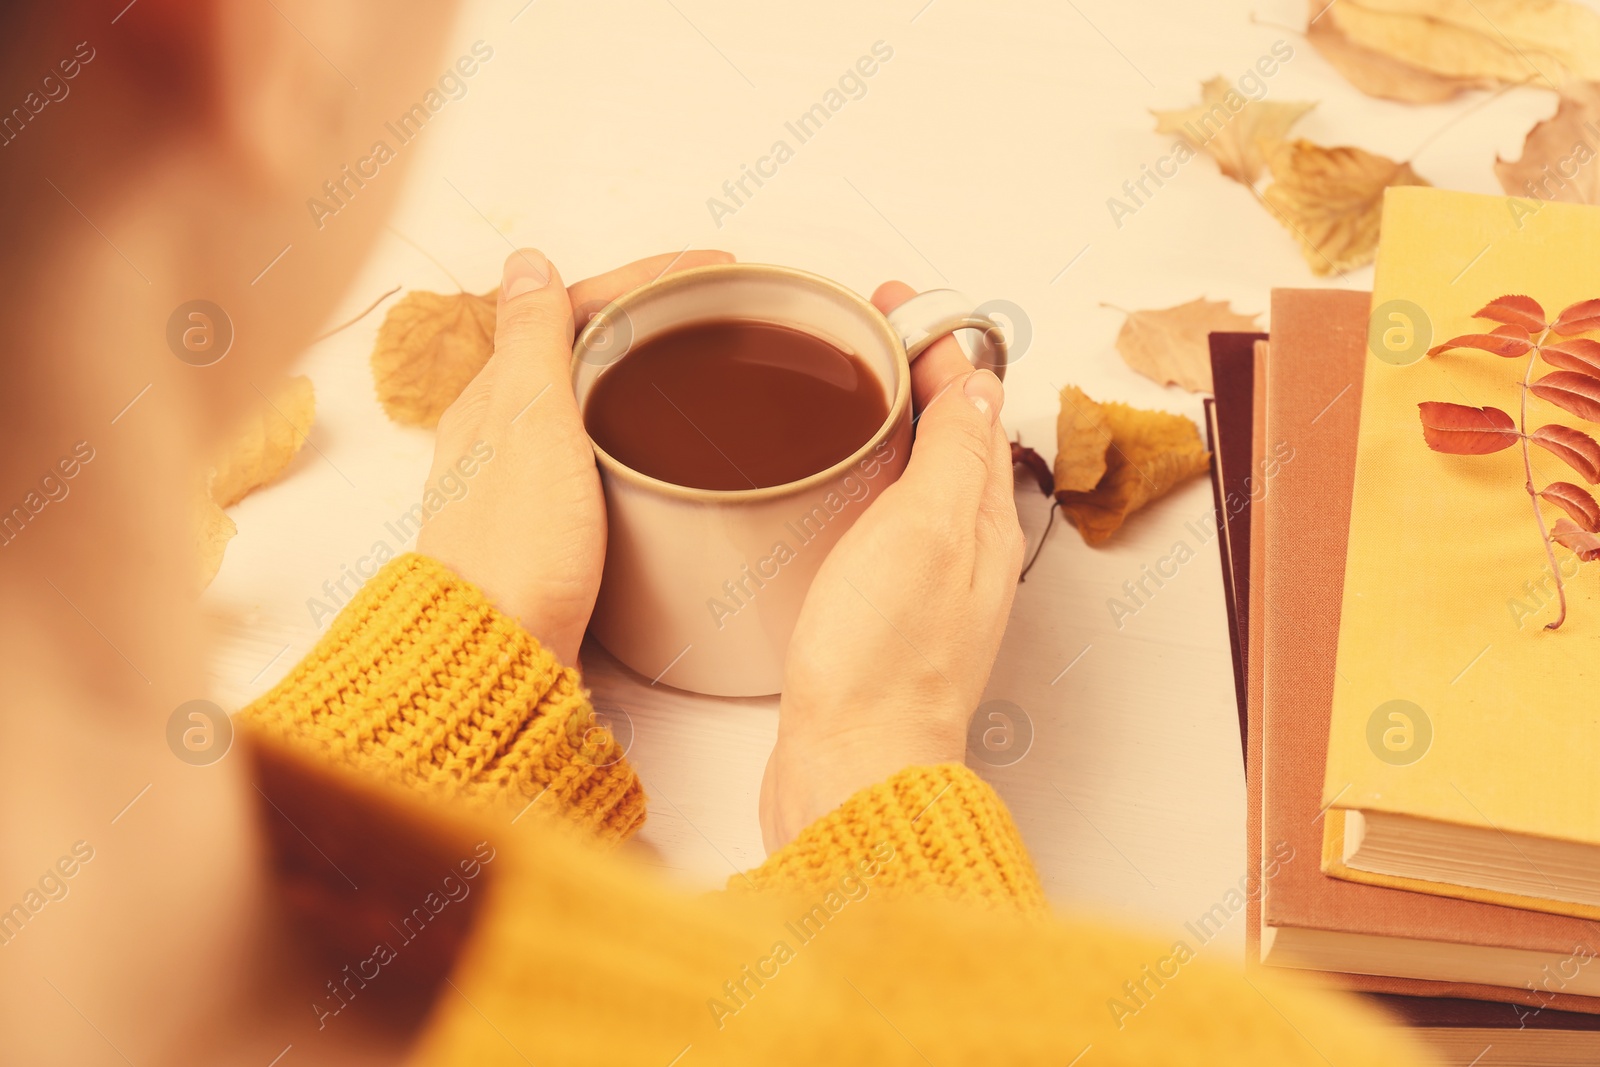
530, 528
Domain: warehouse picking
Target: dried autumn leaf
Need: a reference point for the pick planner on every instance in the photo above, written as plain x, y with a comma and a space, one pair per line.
429, 347
1579, 354
1505, 41
214, 529
265, 442
1575, 501
1582, 542
1553, 146
1151, 451
1230, 127
1034, 464
1578, 318
1082, 439
1507, 341
1573, 447
1463, 431
1170, 346
1377, 74
1570, 391
1331, 199
1514, 310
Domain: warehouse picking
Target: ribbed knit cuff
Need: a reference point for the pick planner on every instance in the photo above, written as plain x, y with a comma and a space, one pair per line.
421, 682
938, 830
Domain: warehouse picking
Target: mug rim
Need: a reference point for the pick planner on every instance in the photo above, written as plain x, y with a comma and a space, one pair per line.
680, 279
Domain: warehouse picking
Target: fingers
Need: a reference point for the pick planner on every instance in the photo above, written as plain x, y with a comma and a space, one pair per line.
533, 331
952, 459
936, 368
1000, 540
592, 294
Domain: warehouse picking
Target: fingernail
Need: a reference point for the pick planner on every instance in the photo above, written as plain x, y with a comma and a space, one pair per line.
525, 271
985, 392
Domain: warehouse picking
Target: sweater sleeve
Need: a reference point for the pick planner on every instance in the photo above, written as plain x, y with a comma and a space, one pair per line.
931, 831
421, 682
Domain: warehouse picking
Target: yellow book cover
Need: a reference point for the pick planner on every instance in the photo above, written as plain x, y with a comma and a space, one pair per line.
1455, 701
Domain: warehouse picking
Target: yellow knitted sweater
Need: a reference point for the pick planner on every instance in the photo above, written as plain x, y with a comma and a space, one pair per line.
436, 786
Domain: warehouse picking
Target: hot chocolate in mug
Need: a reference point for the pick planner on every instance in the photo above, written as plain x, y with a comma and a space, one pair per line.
702, 587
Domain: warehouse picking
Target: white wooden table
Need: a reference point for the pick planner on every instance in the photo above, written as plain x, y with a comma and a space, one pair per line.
981, 156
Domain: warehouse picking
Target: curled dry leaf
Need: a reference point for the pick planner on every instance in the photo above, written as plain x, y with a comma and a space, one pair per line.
1376, 73
1582, 542
1150, 452
1558, 156
1081, 442
1035, 465
1463, 431
213, 530
1576, 502
429, 347
1331, 199
1503, 42
265, 442
1230, 127
1573, 447
1170, 345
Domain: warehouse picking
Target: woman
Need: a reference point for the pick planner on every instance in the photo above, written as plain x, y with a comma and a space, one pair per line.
402, 862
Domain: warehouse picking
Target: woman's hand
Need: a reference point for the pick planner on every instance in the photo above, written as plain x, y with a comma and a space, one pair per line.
530, 529
901, 627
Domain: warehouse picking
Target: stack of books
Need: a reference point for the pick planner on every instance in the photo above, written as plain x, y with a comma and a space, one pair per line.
1422, 749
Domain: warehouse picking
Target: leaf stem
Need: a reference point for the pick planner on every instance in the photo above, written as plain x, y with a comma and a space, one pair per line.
1533, 497
1049, 521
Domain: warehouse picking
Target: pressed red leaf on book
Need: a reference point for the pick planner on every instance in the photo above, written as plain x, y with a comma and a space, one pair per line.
1578, 318
1584, 543
1463, 431
1575, 501
1515, 310
1570, 391
1574, 447
1507, 341
1579, 354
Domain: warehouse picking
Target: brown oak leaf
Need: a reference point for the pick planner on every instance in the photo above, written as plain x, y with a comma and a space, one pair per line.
429, 347
1170, 346
1150, 452
1231, 126
1331, 199
1558, 159
264, 442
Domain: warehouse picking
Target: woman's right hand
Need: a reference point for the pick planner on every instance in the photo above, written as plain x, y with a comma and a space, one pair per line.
901, 627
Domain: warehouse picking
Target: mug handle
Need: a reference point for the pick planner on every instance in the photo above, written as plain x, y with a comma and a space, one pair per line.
928, 316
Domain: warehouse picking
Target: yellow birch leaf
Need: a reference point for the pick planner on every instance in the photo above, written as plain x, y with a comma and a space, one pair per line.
1151, 451
1172, 346
1505, 41
1559, 156
1379, 74
1229, 126
1331, 199
265, 442
1081, 441
214, 530
429, 347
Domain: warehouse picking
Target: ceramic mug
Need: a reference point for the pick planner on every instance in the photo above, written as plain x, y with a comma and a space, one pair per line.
702, 587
